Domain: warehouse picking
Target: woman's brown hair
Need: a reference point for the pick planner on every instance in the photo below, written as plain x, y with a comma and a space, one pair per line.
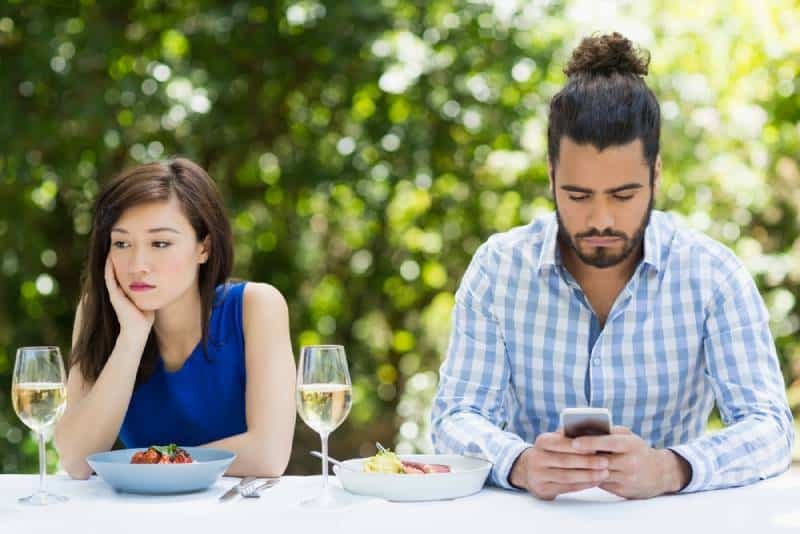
202, 205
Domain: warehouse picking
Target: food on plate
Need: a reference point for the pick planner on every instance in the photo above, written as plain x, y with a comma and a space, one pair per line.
388, 462
415, 468
384, 462
157, 454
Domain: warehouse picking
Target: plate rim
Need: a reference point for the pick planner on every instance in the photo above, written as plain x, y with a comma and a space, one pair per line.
230, 455
486, 465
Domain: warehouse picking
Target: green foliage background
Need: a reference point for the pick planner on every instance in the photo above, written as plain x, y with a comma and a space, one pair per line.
365, 149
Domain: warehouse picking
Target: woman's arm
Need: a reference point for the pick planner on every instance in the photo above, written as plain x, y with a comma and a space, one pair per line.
270, 404
95, 412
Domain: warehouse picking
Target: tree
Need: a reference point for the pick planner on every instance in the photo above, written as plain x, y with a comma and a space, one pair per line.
365, 149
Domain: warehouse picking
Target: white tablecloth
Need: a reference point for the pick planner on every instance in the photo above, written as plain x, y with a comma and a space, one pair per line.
769, 506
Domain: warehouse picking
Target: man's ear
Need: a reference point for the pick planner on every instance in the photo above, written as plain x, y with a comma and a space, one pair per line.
205, 249
657, 175
550, 177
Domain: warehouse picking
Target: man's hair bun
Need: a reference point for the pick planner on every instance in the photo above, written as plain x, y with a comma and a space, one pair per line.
607, 54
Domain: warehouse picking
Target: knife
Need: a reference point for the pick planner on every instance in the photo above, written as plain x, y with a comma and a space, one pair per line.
235, 489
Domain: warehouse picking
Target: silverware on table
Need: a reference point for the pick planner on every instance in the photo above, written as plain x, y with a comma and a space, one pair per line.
237, 488
331, 460
252, 490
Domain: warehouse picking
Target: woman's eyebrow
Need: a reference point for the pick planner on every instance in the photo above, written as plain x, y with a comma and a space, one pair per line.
151, 230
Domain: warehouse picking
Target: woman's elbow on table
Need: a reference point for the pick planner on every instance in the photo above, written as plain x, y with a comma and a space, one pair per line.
272, 462
76, 468
258, 467
269, 469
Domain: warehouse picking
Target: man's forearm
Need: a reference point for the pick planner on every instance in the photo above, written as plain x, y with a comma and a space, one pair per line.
677, 471
517, 477
476, 435
718, 460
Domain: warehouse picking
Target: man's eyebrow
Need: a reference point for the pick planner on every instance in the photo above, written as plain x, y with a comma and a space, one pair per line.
625, 187
618, 189
151, 230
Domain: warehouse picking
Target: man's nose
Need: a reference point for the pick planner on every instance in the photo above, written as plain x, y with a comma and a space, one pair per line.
600, 217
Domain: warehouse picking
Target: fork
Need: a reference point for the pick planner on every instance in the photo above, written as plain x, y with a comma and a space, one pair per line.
252, 490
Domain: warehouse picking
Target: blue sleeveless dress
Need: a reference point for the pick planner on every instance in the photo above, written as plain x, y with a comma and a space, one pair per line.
204, 400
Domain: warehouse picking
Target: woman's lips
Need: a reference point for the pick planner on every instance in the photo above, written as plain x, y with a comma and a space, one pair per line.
141, 287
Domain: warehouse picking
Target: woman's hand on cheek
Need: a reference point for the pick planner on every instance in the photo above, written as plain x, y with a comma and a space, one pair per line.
134, 324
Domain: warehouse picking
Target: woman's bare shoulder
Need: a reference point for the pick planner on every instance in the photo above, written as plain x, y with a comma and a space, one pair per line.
263, 298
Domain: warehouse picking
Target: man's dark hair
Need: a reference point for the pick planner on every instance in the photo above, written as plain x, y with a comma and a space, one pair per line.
605, 101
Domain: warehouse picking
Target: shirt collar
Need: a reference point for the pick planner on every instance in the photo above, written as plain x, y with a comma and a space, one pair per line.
652, 241
549, 252
550, 255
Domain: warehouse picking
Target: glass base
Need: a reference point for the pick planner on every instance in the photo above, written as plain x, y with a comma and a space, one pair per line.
42, 498
329, 500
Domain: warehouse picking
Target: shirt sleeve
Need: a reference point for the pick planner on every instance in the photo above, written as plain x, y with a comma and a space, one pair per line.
742, 368
469, 412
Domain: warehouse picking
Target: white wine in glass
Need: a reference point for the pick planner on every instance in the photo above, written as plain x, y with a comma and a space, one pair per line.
324, 396
324, 407
39, 396
39, 404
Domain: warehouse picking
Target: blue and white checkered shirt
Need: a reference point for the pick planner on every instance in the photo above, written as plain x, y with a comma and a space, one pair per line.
689, 329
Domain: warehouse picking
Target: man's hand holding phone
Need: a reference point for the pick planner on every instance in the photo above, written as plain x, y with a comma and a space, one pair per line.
636, 470
588, 452
553, 466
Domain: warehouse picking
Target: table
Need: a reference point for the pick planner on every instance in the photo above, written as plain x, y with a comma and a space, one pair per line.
769, 506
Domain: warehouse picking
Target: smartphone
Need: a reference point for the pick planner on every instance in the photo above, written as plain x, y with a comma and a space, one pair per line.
585, 422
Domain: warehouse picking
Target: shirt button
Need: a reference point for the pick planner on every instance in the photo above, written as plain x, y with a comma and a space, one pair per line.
596, 361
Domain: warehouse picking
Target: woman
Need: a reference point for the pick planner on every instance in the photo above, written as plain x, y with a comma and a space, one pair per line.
164, 349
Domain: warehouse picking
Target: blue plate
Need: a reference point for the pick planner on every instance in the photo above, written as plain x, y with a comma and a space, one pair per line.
116, 469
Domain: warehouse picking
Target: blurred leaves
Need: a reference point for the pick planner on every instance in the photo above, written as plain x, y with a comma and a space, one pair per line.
365, 149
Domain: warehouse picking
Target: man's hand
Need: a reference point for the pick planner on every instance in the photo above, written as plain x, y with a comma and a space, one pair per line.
636, 471
552, 467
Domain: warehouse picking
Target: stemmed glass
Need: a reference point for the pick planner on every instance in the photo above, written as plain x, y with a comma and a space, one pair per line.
39, 395
323, 401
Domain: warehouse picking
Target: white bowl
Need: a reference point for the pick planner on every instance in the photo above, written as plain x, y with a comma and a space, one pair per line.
467, 476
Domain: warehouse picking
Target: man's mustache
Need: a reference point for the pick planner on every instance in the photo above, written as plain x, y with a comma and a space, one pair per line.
605, 233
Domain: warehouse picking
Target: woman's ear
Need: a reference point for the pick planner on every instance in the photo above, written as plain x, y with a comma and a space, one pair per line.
205, 249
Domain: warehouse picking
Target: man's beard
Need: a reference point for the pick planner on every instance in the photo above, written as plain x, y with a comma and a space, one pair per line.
601, 257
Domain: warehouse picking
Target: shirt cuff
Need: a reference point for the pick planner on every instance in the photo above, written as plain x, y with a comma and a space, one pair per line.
504, 461
702, 468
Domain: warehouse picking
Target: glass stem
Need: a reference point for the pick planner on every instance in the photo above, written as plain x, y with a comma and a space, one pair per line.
324, 463
42, 462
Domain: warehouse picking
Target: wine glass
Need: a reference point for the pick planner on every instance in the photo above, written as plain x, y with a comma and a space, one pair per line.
323, 401
39, 395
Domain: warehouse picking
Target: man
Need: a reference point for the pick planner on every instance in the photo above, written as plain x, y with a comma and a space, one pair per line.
607, 303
